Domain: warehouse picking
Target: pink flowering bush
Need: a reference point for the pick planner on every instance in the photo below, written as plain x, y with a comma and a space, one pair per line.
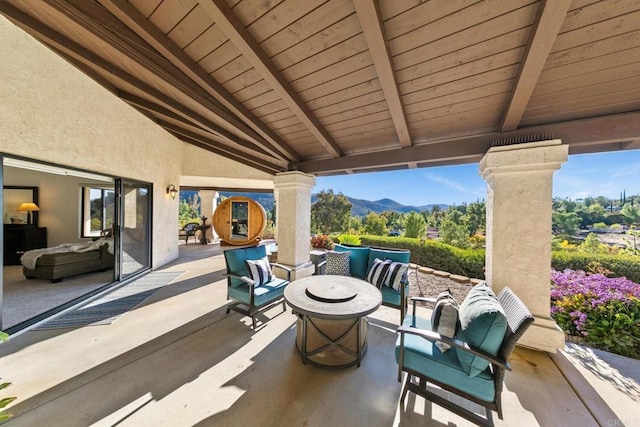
604, 311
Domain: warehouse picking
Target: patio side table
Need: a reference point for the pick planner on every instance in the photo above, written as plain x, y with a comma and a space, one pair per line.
332, 325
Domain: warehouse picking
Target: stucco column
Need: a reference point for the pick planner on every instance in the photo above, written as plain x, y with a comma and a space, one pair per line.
518, 255
293, 221
208, 204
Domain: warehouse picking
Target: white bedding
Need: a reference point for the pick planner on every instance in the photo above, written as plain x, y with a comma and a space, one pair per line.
30, 258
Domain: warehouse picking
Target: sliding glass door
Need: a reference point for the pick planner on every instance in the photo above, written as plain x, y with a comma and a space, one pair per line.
134, 231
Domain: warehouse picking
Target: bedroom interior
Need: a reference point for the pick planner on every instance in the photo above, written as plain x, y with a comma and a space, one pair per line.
62, 218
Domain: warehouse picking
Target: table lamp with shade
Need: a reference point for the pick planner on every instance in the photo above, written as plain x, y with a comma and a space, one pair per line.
28, 207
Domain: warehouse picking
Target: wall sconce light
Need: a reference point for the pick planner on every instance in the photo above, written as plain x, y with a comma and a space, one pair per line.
172, 191
28, 208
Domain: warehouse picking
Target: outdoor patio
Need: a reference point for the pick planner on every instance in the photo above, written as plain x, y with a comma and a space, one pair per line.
177, 359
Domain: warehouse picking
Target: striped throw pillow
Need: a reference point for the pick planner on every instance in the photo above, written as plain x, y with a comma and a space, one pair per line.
259, 270
396, 275
378, 272
444, 318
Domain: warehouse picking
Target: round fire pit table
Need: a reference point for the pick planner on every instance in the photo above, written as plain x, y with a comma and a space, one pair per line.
331, 330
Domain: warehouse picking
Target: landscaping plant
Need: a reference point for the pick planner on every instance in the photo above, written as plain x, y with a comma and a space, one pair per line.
604, 311
349, 239
321, 241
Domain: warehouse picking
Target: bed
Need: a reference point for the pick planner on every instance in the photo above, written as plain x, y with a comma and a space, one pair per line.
67, 260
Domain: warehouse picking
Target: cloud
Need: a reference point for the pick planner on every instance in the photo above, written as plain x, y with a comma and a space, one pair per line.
455, 185
632, 169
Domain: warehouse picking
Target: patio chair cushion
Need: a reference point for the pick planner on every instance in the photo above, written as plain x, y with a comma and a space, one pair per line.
358, 258
378, 272
393, 297
444, 318
337, 263
482, 324
259, 270
396, 275
262, 294
421, 355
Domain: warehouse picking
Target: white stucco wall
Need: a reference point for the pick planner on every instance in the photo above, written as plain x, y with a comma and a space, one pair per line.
52, 112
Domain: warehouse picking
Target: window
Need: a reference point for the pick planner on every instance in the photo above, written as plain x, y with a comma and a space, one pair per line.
98, 207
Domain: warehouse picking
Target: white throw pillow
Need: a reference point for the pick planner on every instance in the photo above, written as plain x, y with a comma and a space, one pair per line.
259, 270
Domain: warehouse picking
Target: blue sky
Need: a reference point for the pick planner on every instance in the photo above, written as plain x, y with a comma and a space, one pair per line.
602, 174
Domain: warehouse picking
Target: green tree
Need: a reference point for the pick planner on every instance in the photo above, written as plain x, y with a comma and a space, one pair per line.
395, 219
189, 210
330, 213
375, 224
591, 244
454, 234
476, 217
565, 222
631, 213
355, 225
415, 225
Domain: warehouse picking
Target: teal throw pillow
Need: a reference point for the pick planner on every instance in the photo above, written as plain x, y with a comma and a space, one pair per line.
482, 325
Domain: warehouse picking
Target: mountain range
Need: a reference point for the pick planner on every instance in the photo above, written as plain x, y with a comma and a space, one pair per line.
359, 207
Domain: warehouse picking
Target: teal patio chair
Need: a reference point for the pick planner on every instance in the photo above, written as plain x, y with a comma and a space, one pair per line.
474, 367
250, 295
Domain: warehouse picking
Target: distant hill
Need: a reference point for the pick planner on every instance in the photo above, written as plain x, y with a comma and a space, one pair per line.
359, 207
362, 207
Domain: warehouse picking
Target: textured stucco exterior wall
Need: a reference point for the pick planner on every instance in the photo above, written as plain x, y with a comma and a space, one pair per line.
52, 112
198, 162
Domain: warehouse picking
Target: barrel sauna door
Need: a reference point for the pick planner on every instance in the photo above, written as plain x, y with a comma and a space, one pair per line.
239, 220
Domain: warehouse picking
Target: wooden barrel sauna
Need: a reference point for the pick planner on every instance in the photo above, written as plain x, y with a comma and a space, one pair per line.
239, 220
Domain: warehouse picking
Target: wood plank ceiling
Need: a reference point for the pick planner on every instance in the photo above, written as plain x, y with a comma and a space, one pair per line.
345, 86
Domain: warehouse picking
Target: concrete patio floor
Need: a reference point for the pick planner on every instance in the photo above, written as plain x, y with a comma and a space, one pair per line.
178, 360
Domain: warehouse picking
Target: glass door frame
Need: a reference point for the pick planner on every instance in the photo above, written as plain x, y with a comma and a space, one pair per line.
119, 271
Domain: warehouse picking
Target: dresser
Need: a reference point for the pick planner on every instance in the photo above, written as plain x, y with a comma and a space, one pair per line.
20, 238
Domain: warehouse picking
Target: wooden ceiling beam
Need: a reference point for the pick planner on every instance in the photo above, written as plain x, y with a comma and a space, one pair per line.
89, 60
373, 28
99, 22
584, 136
190, 118
632, 145
229, 23
230, 153
220, 152
551, 15
131, 17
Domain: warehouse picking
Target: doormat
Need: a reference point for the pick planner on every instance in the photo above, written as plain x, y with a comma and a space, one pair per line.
111, 306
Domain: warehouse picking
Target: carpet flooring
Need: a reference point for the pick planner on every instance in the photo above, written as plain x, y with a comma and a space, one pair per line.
111, 306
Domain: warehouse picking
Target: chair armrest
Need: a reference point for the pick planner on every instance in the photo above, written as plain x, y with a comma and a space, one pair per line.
434, 336
283, 267
321, 267
422, 299
245, 279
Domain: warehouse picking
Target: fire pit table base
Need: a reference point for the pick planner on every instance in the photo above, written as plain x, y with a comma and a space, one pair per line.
334, 344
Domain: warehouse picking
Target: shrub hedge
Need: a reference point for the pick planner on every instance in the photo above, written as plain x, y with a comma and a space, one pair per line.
436, 255
470, 262
621, 265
